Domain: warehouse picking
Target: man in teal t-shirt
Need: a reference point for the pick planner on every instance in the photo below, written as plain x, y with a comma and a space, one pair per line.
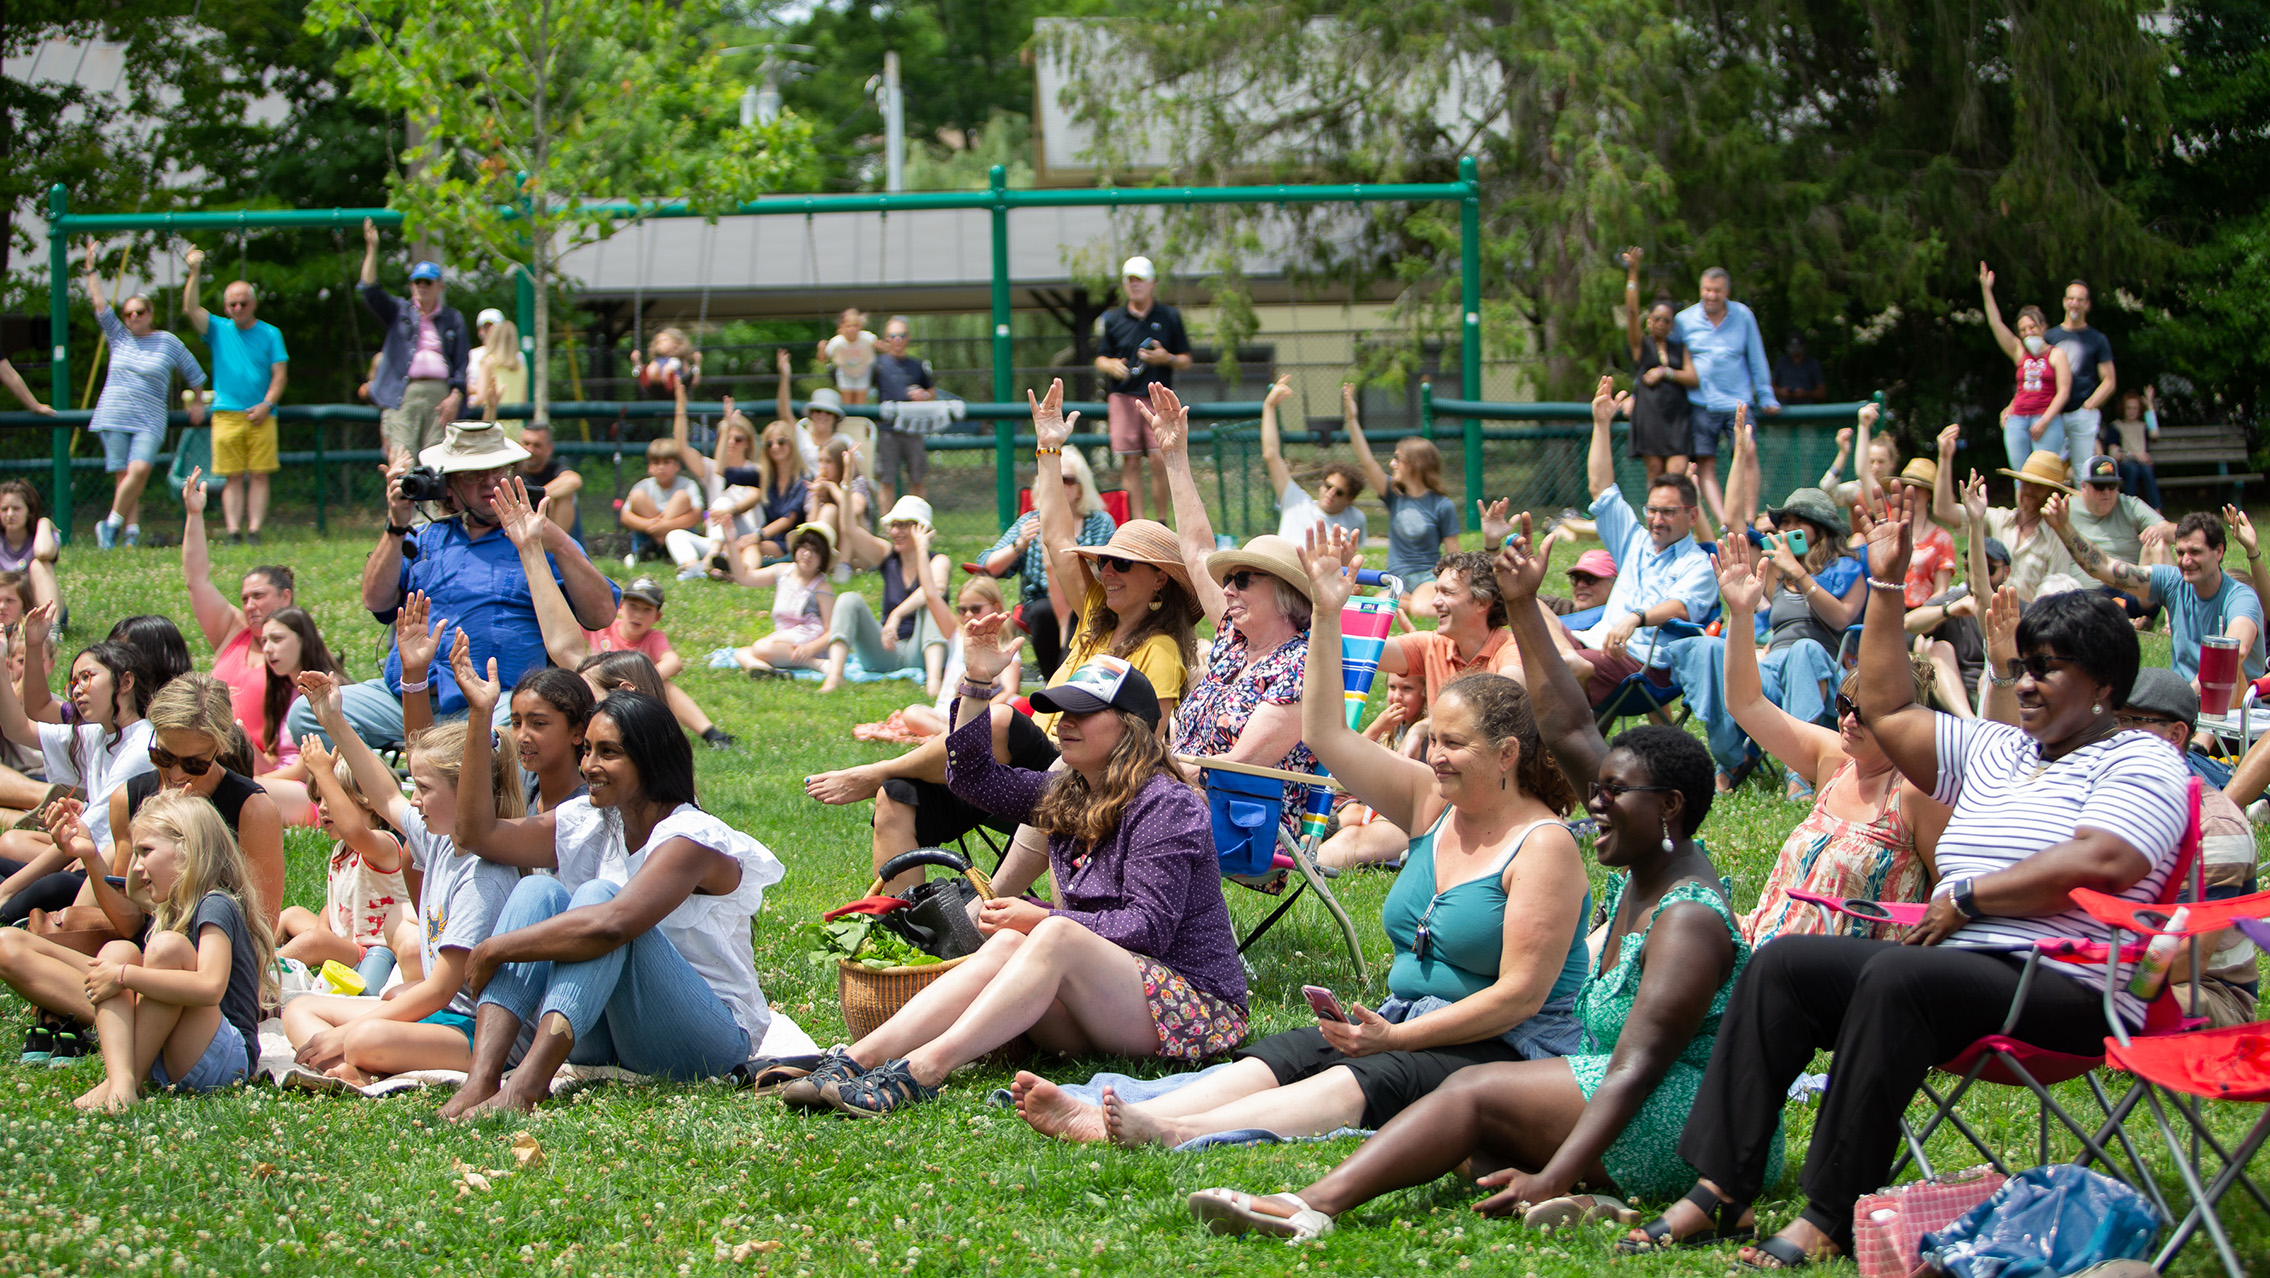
249, 364
2202, 600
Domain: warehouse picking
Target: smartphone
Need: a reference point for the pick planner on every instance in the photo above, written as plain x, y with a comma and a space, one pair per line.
1795, 540
1326, 1006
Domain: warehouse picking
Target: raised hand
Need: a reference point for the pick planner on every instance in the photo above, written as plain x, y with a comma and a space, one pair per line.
1168, 416
2242, 528
1281, 391
94, 256
1051, 428
322, 693
193, 494
1738, 581
1631, 257
782, 362
2057, 511
1520, 567
414, 640
1867, 416
1890, 539
1974, 496
1332, 556
1604, 401
1843, 442
1495, 524
481, 694
523, 525
1985, 278
1948, 439
2002, 612
195, 257
39, 623
318, 758
370, 233
984, 654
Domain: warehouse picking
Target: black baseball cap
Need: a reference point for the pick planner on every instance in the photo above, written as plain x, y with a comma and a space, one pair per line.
1103, 683
2100, 470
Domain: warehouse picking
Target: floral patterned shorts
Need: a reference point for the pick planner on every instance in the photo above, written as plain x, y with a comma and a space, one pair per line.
1192, 1024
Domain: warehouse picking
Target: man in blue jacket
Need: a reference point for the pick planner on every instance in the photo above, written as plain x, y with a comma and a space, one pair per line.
1730, 359
420, 384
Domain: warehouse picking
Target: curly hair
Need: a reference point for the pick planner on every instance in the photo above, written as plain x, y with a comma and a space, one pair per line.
1479, 571
1069, 807
1677, 759
1502, 712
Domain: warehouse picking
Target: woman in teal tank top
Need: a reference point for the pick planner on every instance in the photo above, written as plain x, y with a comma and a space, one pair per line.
1487, 920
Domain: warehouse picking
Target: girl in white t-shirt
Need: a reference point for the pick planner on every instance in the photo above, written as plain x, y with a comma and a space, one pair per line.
852, 350
108, 745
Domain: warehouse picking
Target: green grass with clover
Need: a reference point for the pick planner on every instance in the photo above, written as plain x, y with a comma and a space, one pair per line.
672, 1179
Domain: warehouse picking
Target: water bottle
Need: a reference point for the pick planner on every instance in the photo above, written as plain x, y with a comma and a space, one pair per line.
2151, 974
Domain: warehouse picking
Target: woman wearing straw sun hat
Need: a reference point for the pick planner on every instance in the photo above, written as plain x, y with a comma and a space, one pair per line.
1248, 705
2039, 562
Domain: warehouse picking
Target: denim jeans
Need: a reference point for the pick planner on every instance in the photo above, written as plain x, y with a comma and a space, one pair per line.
2080, 426
2019, 443
1792, 678
2140, 481
640, 1006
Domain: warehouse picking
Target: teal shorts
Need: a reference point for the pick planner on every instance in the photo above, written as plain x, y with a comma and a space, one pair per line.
458, 1021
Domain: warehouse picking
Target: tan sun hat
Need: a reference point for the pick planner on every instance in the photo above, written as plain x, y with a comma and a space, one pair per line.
1269, 553
1921, 473
472, 445
1146, 541
2042, 467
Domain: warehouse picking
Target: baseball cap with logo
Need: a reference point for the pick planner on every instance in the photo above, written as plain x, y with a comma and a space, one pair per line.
1104, 682
646, 588
2100, 470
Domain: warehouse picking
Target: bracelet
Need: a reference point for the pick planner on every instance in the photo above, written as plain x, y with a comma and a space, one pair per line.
1048, 452
399, 530
1874, 584
971, 687
420, 686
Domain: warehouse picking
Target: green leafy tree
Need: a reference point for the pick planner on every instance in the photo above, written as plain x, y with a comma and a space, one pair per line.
529, 114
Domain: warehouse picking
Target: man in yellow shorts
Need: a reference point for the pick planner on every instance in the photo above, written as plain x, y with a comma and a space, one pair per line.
249, 364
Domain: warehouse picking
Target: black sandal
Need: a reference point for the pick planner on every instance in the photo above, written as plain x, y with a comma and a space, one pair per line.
1722, 1217
1786, 1255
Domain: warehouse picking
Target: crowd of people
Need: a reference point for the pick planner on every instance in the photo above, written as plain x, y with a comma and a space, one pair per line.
1968, 730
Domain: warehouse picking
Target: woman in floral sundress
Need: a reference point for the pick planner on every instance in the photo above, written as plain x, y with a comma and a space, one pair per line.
1871, 831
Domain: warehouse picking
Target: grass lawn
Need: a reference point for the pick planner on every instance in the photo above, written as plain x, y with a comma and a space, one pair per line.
670, 1179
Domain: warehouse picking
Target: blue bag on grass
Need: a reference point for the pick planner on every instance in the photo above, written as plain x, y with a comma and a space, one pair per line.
2059, 1219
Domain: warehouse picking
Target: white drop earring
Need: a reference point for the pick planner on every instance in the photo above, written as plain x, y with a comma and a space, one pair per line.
1667, 844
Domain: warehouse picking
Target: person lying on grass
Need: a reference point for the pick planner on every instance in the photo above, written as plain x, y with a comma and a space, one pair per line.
183, 1013
645, 960
1607, 1117
1486, 919
427, 1021
1141, 959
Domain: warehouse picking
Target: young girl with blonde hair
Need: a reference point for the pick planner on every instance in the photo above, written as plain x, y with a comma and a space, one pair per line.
365, 897
184, 1012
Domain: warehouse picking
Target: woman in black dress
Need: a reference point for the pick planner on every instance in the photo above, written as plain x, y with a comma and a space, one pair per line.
1661, 373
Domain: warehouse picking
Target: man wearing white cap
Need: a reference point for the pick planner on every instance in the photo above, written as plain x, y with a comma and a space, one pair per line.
1139, 345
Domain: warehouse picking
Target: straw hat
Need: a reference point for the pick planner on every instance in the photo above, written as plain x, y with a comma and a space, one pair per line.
1269, 553
826, 532
1922, 473
472, 445
1146, 541
2042, 467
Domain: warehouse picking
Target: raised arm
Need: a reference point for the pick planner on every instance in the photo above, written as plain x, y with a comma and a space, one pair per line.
1631, 301
783, 403
216, 616
1805, 746
1373, 475
191, 306
527, 842
38, 703
2003, 337
1401, 790
2001, 619
377, 781
94, 276
696, 465
1600, 459
1273, 448
1564, 715
370, 252
2116, 573
1170, 423
1944, 508
563, 632
1059, 527
1907, 731
2249, 544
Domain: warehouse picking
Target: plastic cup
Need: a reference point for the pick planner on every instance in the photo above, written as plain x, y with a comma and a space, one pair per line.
1363, 637
2218, 674
341, 978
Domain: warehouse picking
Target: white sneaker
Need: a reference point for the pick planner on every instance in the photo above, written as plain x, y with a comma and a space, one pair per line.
841, 572
692, 572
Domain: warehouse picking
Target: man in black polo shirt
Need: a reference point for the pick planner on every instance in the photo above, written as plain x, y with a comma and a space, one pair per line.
1139, 345
900, 378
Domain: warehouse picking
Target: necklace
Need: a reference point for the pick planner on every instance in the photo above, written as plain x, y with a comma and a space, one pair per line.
2042, 766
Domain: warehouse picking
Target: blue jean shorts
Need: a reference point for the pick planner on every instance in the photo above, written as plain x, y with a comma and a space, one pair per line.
123, 447
222, 1064
1707, 425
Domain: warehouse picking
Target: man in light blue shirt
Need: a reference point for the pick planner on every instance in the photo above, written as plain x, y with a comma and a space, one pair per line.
2201, 599
1730, 359
1661, 573
249, 364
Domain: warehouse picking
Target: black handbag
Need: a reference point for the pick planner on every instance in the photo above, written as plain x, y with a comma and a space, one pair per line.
936, 919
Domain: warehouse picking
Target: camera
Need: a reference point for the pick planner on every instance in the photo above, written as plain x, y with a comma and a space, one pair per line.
422, 483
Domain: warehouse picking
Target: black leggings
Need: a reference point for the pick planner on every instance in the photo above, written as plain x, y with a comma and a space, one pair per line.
1890, 1012
51, 893
1042, 637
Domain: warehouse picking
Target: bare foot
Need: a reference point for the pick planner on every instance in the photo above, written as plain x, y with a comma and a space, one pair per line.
845, 785
1129, 1126
349, 1075
831, 683
507, 1101
470, 1094
1049, 1110
99, 1099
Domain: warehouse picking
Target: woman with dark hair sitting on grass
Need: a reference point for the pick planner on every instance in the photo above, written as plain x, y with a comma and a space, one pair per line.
647, 963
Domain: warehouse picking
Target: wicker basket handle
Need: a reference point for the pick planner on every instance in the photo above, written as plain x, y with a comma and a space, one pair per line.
905, 861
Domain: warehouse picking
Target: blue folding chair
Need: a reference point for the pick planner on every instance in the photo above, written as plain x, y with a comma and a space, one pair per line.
1644, 694
1247, 804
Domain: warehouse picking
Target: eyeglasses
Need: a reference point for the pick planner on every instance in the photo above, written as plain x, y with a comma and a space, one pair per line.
1242, 579
160, 757
1614, 790
1846, 705
969, 610
1116, 563
2148, 722
894, 337
1667, 512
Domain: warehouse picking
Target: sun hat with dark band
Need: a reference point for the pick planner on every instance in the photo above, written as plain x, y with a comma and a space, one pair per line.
2042, 467
1814, 507
1270, 554
1103, 683
1146, 541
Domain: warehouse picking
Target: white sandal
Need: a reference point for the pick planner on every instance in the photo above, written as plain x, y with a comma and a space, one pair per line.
1231, 1211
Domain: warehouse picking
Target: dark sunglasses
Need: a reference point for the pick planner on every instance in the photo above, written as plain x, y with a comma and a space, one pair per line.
1846, 705
969, 610
1115, 563
160, 757
1242, 579
1614, 790
2036, 665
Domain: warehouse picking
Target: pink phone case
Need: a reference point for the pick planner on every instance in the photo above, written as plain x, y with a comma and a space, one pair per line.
1323, 1002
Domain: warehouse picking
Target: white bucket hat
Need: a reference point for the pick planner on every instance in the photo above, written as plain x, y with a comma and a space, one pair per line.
472, 445
908, 509
825, 400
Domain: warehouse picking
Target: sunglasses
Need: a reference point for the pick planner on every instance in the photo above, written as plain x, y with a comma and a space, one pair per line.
1614, 790
2037, 665
1846, 705
969, 610
1242, 579
160, 757
1116, 563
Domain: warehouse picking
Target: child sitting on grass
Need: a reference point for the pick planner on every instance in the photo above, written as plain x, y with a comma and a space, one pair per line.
185, 1012
1364, 838
364, 896
802, 604
429, 1024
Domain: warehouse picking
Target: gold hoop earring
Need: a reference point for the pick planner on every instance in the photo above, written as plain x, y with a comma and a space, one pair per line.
1156, 605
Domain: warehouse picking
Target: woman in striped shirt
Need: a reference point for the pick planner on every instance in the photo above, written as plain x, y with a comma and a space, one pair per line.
2062, 801
131, 415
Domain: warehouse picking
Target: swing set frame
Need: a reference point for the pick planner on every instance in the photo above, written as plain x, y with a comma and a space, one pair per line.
998, 200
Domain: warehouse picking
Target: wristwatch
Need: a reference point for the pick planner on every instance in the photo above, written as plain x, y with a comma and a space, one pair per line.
1965, 900
2000, 681
399, 530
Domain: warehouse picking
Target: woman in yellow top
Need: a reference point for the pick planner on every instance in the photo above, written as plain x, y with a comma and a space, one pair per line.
1137, 605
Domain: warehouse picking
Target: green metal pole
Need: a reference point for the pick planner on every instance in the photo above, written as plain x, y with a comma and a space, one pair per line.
322, 524
1004, 429
1470, 333
524, 291
59, 354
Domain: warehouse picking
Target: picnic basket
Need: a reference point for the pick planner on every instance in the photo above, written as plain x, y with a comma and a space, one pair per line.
872, 995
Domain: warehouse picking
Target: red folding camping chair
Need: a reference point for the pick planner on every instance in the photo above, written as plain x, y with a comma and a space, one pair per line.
2009, 1062
2185, 1068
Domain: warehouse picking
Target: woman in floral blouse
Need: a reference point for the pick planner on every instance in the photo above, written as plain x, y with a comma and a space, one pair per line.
1248, 707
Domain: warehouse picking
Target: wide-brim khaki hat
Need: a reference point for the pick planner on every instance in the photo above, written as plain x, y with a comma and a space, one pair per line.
1269, 553
1146, 541
2045, 468
472, 445
826, 532
1921, 473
